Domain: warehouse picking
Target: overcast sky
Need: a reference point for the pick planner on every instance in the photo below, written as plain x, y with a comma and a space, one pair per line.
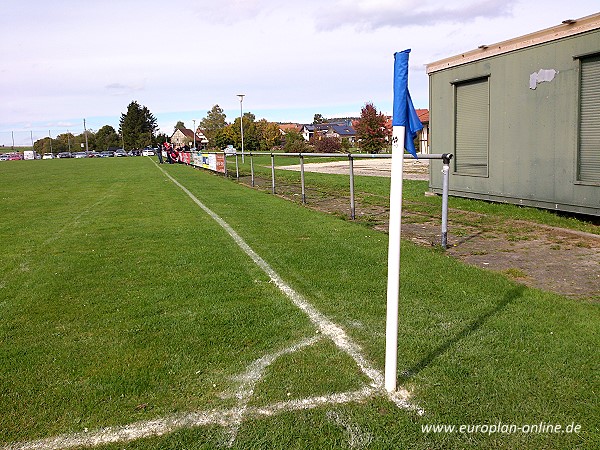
67, 60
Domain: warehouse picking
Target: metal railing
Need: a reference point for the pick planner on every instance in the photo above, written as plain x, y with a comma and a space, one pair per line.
445, 157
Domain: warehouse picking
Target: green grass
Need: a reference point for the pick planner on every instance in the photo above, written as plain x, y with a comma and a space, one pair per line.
121, 300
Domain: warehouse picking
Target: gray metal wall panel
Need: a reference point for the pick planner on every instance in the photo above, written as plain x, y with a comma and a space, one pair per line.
533, 132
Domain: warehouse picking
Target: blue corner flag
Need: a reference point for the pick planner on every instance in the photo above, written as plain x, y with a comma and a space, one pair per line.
404, 112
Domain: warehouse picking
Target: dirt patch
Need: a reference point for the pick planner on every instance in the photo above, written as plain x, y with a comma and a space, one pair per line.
553, 259
412, 170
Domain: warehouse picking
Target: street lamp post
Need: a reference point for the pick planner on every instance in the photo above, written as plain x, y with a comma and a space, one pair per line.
241, 96
194, 120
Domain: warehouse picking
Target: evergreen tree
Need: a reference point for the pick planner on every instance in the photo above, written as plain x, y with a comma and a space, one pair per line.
137, 126
318, 118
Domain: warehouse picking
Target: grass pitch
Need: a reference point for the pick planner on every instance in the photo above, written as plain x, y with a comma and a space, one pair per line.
122, 302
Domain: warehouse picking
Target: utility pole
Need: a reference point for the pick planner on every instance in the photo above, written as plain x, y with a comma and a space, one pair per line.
86, 140
241, 96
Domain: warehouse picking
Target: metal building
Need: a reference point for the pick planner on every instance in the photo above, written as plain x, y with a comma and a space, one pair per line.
522, 118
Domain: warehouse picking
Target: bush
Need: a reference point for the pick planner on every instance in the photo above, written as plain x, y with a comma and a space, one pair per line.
325, 144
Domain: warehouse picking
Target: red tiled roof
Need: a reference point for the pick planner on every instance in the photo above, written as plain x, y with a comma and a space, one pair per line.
423, 115
290, 126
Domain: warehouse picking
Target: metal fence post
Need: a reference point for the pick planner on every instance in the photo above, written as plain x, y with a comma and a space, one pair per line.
252, 170
352, 206
302, 178
446, 157
272, 173
237, 169
225, 163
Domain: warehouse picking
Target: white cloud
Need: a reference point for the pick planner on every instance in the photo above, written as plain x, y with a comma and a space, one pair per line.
372, 14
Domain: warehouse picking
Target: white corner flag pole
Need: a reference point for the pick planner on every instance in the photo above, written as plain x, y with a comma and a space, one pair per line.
393, 284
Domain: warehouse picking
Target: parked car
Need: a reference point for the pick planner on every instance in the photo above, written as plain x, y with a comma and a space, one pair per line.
3, 157
79, 155
107, 154
15, 157
48, 156
148, 152
64, 155
120, 152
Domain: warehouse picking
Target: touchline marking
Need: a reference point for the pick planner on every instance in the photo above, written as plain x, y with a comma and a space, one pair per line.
253, 375
232, 418
324, 324
166, 425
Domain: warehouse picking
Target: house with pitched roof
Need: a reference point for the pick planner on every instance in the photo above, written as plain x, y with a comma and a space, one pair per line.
185, 137
339, 130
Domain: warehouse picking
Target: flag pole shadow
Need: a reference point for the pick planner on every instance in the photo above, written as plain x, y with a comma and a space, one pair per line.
508, 298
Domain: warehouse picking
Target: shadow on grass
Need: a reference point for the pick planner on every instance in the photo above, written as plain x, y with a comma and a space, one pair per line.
508, 298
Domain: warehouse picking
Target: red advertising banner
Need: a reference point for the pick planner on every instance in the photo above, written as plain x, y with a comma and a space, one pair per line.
220, 163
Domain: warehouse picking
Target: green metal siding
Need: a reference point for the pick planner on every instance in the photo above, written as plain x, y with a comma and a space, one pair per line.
533, 133
589, 125
471, 127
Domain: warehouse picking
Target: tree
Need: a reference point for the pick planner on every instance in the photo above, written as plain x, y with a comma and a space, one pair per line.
42, 146
223, 137
268, 135
106, 137
318, 118
64, 142
295, 142
371, 131
214, 122
179, 126
160, 138
137, 126
251, 137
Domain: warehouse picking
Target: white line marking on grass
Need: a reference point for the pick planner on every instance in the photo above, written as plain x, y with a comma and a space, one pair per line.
357, 438
253, 375
169, 424
324, 324
232, 418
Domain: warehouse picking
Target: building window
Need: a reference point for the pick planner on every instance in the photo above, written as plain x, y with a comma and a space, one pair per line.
471, 127
588, 161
